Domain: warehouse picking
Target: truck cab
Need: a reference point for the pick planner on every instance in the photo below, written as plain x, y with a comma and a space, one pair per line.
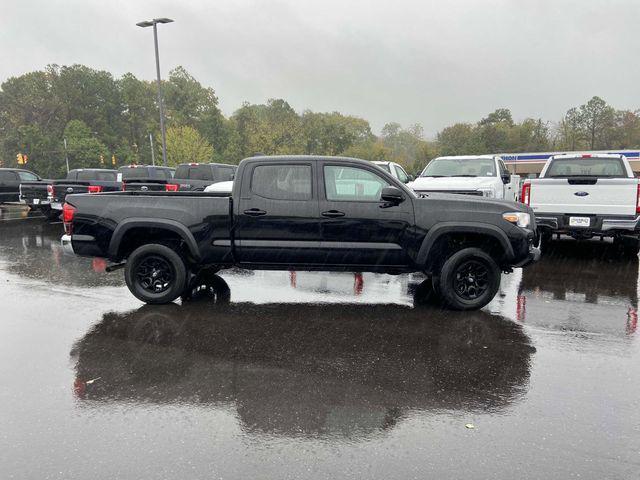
479, 175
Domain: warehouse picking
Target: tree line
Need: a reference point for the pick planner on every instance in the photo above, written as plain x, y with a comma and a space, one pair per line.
106, 122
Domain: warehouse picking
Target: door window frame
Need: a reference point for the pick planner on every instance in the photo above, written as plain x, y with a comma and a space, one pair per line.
391, 181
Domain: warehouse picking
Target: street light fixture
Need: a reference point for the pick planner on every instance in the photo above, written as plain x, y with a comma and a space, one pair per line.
154, 23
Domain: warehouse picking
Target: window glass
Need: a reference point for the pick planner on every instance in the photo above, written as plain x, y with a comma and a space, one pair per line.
130, 173
282, 182
503, 168
6, 176
586, 167
460, 167
225, 174
402, 175
100, 175
385, 166
28, 176
352, 184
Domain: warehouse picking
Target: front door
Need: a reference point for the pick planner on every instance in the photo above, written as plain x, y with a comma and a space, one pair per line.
277, 215
8, 186
357, 227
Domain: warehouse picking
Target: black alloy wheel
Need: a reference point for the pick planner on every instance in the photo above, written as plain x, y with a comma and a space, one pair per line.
471, 280
154, 274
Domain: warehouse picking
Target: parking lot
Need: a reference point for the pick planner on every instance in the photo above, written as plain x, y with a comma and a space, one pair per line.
315, 375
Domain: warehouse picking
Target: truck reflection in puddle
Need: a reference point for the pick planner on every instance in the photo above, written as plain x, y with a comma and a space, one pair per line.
350, 370
581, 287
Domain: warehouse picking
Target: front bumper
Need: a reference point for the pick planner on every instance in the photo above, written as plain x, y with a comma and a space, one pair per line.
606, 224
532, 257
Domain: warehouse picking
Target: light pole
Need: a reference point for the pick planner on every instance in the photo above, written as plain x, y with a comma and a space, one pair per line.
154, 23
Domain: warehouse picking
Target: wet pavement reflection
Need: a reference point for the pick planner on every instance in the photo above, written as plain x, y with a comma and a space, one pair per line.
315, 375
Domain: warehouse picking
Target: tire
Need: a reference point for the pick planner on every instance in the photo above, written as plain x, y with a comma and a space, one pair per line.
426, 294
155, 274
469, 280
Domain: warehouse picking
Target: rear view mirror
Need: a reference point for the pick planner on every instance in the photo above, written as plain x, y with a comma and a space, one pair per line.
392, 195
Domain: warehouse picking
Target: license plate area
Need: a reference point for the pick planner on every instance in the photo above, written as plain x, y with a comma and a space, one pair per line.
579, 221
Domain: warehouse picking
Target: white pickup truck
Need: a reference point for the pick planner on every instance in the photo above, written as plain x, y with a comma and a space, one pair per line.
586, 195
481, 175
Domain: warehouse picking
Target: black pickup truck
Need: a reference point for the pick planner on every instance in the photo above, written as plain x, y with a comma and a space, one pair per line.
81, 180
10, 181
198, 176
147, 178
304, 213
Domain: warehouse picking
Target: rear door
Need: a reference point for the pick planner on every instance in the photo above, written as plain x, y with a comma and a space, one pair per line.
277, 214
357, 227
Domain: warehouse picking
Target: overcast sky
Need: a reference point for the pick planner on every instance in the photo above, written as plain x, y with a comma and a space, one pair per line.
410, 61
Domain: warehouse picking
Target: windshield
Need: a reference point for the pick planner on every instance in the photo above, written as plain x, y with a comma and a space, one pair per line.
460, 167
586, 167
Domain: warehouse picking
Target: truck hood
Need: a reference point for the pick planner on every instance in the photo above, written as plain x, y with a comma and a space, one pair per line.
451, 183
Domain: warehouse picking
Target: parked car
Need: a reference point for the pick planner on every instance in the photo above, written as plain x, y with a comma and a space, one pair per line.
81, 180
10, 180
198, 176
585, 196
479, 175
395, 170
35, 195
146, 178
305, 213
220, 187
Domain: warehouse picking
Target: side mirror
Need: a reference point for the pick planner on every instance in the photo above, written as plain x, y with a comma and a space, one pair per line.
410, 178
506, 179
392, 195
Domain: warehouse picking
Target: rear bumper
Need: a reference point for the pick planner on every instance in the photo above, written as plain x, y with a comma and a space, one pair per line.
67, 247
599, 224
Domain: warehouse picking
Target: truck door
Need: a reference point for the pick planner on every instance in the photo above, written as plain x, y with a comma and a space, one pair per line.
357, 227
9, 185
277, 219
508, 189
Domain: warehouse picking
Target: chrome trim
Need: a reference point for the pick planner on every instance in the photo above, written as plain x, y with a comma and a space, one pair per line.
620, 224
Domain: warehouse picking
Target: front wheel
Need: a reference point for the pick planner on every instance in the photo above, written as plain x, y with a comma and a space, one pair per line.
469, 280
155, 274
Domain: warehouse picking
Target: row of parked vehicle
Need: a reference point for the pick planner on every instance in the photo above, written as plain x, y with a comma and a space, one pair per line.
458, 222
48, 196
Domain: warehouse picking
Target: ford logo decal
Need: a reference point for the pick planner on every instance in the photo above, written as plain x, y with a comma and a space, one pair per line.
69, 190
581, 194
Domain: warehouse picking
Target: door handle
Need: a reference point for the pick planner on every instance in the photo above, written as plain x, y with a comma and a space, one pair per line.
333, 214
255, 212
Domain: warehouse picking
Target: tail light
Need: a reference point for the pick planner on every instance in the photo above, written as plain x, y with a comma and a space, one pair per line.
95, 188
49, 190
124, 185
525, 197
171, 187
68, 212
638, 200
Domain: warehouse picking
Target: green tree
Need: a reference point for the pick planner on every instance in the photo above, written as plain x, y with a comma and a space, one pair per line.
84, 149
185, 145
597, 122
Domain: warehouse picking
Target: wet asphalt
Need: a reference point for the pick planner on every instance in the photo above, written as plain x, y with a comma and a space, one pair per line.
297, 375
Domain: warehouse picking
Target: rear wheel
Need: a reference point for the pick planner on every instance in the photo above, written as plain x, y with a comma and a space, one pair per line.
155, 274
469, 279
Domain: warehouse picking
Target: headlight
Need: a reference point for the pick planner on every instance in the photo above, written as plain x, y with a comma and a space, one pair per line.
487, 192
520, 219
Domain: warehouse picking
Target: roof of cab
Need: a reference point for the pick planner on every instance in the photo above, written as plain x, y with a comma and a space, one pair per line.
304, 158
